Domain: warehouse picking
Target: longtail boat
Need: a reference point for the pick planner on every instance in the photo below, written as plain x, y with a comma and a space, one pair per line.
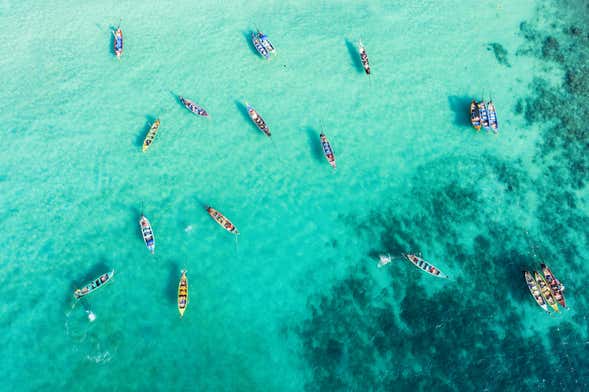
364, 58
260, 46
555, 286
327, 150
147, 233
258, 120
545, 290
424, 265
221, 220
194, 108
492, 117
182, 293
118, 42
475, 119
484, 114
535, 290
150, 135
94, 285
266, 42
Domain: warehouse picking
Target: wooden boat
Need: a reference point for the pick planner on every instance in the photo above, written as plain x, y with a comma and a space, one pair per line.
183, 294
484, 115
475, 119
555, 286
545, 290
258, 120
94, 285
260, 46
220, 219
194, 108
329, 155
424, 265
492, 117
364, 58
150, 135
535, 290
266, 42
118, 42
147, 233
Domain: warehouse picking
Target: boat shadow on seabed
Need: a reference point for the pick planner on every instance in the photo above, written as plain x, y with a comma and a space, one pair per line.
314, 144
171, 290
247, 35
141, 135
460, 106
354, 56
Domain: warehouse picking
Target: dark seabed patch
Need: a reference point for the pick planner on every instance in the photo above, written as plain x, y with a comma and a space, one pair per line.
500, 53
471, 334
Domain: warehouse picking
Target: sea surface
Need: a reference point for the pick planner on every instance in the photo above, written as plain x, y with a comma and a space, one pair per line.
297, 302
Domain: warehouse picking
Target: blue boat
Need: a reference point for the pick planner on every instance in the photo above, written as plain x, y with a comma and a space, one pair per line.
147, 233
484, 114
493, 117
260, 46
266, 42
118, 42
327, 150
194, 108
94, 285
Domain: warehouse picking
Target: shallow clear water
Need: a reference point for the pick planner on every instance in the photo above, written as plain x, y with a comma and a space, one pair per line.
297, 303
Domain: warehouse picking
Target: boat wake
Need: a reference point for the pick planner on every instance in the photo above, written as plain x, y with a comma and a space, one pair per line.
99, 358
75, 327
384, 260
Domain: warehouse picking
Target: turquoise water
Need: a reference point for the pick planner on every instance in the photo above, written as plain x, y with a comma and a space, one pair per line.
297, 303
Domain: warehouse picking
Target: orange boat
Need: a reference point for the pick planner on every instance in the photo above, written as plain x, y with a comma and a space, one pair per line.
555, 286
475, 118
182, 294
221, 220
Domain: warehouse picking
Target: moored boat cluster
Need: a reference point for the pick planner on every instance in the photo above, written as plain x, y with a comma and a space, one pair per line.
546, 289
483, 115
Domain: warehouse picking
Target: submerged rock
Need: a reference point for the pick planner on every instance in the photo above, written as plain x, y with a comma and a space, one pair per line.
500, 53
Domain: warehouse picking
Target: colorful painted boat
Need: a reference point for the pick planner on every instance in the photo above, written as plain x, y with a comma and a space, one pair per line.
493, 124
258, 120
555, 286
147, 233
266, 42
118, 42
545, 290
364, 58
260, 46
222, 220
94, 285
535, 290
475, 118
327, 150
194, 108
424, 265
150, 135
182, 293
484, 114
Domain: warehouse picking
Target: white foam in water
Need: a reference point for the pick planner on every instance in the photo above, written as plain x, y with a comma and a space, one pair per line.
103, 357
383, 260
91, 316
